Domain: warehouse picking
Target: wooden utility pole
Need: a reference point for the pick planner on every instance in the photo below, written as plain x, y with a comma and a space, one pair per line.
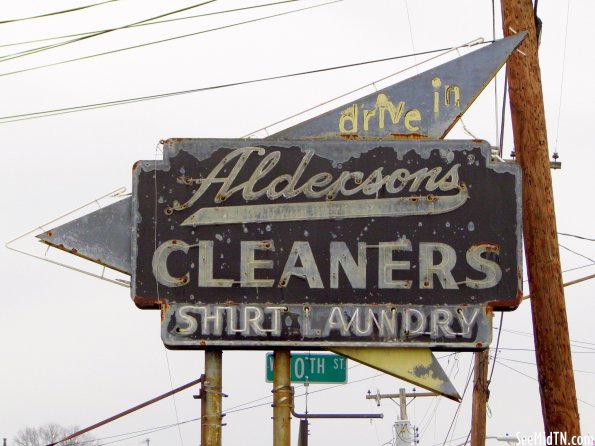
480, 398
403, 404
212, 396
550, 325
282, 397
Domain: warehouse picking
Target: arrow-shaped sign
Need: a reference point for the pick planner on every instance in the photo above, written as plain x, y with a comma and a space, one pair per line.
424, 106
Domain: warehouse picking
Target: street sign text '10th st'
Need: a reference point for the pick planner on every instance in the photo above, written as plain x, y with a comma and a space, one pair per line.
259, 243
315, 368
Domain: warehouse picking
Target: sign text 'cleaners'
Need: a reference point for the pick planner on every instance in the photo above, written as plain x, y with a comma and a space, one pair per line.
263, 243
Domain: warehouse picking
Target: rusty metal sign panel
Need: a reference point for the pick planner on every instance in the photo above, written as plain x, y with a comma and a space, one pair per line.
260, 243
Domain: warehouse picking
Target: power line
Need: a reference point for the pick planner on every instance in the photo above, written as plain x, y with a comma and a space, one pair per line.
89, 36
564, 271
577, 236
578, 267
173, 397
452, 439
577, 253
151, 431
433, 408
49, 14
170, 39
527, 334
535, 379
135, 25
496, 351
533, 350
141, 432
534, 364
147, 22
233, 409
563, 70
66, 110
459, 406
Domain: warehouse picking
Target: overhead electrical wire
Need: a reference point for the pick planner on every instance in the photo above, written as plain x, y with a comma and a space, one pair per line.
577, 236
49, 14
578, 267
533, 350
156, 22
89, 36
534, 364
66, 110
456, 415
496, 351
173, 397
576, 253
233, 409
134, 434
573, 342
563, 70
433, 407
535, 379
453, 439
155, 42
589, 265
410, 28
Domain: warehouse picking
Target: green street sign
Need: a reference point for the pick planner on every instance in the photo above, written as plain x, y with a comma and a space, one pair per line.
313, 368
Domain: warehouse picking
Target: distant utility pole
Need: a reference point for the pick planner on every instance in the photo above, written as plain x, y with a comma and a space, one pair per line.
550, 325
402, 395
404, 438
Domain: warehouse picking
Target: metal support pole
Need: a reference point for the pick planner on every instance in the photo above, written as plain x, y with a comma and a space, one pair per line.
303, 437
211, 399
281, 397
480, 399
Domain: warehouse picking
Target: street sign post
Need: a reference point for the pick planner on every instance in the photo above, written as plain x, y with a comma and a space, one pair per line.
259, 243
313, 368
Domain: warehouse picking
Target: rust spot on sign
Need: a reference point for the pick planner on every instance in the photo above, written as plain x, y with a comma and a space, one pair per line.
147, 303
164, 307
172, 141
408, 136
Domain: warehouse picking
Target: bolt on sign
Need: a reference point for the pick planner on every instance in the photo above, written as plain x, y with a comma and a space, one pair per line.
260, 243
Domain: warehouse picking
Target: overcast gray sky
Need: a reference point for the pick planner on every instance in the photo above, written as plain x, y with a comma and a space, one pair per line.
74, 349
